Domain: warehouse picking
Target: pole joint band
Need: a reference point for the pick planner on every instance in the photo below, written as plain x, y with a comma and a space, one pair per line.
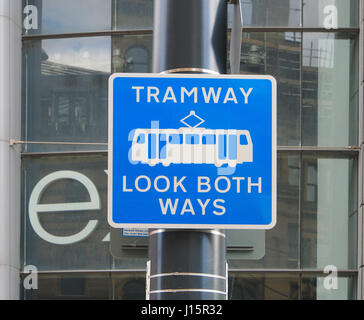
182, 70
192, 274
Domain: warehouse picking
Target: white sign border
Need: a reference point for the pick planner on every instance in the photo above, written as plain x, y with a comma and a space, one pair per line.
192, 226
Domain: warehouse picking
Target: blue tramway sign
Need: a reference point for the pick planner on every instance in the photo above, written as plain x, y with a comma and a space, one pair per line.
216, 171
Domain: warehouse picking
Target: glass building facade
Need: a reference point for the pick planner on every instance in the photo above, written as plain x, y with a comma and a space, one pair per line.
312, 48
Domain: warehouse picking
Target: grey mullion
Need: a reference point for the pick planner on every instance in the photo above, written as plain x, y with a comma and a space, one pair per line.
150, 31
86, 34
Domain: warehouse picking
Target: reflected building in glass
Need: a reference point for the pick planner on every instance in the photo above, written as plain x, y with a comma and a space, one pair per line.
310, 47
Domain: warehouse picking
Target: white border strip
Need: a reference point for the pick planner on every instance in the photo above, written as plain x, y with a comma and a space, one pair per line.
194, 226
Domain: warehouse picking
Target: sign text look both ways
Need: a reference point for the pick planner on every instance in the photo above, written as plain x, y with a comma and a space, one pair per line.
192, 151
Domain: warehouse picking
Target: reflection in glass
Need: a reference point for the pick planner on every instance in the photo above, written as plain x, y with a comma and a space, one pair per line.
329, 89
132, 53
77, 286
269, 13
263, 286
65, 92
315, 288
329, 212
132, 14
88, 286
330, 14
279, 55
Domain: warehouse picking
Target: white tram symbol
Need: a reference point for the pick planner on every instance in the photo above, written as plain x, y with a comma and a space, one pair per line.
192, 145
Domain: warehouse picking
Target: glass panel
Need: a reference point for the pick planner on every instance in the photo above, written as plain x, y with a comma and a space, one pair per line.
330, 14
329, 211
66, 16
65, 88
329, 89
325, 288
75, 16
269, 13
65, 92
263, 286
65, 213
279, 55
132, 14
78, 286
242, 286
281, 245
64, 220
128, 286
132, 53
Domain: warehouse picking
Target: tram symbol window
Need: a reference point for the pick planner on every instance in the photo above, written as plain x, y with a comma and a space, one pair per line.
141, 138
243, 140
175, 138
208, 139
192, 139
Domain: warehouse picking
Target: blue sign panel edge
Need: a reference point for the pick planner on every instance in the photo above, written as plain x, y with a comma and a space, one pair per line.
193, 226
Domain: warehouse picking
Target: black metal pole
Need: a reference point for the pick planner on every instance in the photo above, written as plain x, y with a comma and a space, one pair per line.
189, 36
